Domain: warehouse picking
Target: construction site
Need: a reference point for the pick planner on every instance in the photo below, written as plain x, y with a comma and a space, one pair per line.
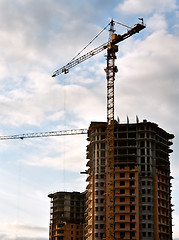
141, 189
128, 192
128, 180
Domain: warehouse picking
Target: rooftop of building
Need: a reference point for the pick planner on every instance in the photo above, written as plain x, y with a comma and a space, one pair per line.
155, 126
62, 193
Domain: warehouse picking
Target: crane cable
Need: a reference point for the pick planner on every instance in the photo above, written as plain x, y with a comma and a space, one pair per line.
90, 42
97, 37
122, 24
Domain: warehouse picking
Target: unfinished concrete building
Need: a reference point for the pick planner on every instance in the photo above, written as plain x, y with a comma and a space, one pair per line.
142, 182
67, 216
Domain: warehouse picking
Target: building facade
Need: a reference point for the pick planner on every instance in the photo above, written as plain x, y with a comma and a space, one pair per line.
67, 216
142, 182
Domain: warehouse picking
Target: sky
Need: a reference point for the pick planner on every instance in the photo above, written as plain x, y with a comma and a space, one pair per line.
38, 37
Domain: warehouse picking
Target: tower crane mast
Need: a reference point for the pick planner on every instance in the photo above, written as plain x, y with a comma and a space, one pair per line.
111, 69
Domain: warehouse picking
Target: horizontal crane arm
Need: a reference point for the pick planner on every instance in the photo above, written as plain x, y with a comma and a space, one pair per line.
65, 69
46, 134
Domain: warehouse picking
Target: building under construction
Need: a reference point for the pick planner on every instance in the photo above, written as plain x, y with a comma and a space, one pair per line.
142, 187
67, 216
142, 182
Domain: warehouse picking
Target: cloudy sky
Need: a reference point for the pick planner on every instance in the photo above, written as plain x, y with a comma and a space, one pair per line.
36, 38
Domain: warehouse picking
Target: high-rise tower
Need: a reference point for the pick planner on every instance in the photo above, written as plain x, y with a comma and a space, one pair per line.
142, 182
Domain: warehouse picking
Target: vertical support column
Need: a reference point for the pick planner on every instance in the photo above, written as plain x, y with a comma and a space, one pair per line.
110, 76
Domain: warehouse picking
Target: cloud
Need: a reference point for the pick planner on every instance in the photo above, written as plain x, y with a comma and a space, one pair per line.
9, 237
33, 45
20, 232
157, 23
25, 228
69, 156
38, 34
40, 97
148, 78
175, 225
145, 7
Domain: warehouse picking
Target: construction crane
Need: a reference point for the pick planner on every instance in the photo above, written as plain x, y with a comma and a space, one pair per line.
111, 70
115, 39
46, 134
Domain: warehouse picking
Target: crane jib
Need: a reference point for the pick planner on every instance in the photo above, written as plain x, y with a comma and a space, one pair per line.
46, 134
65, 69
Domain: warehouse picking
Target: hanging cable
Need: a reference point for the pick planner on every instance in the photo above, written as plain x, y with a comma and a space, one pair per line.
19, 193
122, 24
90, 42
64, 138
